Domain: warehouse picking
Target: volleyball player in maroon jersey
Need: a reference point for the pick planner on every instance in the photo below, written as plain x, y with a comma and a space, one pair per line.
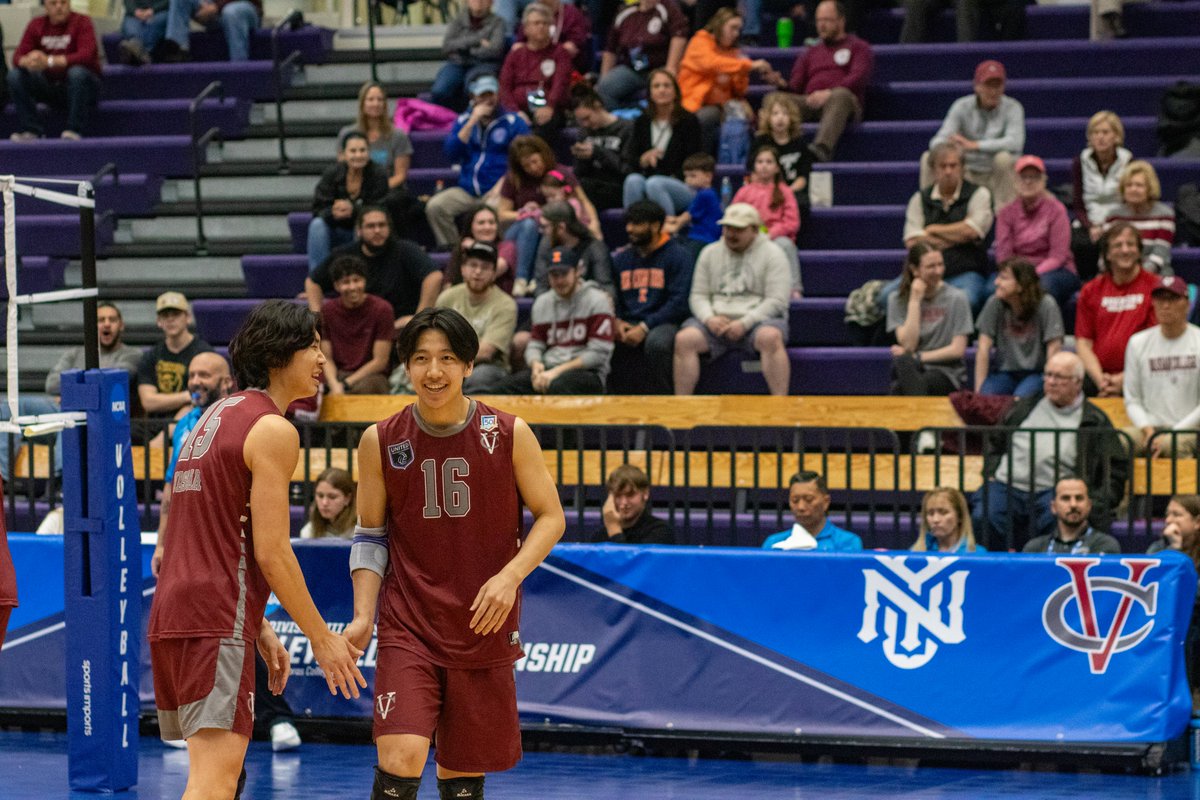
228, 548
441, 485
8, 575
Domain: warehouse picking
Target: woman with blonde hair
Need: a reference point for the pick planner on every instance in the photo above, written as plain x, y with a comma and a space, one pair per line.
1096, 176
945, 524
391, 149
1142, 207
333, 511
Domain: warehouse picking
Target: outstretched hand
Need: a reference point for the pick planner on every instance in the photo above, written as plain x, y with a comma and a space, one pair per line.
337, 656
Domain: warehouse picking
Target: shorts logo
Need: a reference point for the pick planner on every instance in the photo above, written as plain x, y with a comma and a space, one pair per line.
401, 455
917, 616
384, 703
1081, 588
514, 638
489, 430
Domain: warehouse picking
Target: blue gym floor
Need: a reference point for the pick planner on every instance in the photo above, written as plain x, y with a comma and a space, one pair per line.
33, 766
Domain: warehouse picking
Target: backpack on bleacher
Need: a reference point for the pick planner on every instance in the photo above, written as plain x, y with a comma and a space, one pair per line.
1179, 117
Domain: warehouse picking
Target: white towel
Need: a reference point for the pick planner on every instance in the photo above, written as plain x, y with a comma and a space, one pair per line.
799, 540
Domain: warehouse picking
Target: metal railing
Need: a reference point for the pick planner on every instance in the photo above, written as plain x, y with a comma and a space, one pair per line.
293, 20
199, 148
722, 485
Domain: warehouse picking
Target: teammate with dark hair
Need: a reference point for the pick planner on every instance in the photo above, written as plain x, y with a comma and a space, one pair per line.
228, 548
440, 491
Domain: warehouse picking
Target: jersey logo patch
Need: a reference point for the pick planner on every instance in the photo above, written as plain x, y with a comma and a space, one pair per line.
488, 438
401, 455
488, 423
514, 638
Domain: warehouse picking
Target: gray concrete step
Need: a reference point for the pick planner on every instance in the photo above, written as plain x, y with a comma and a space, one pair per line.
66, 316
299, 148
356, 74
257, 187
253, 227
185, 274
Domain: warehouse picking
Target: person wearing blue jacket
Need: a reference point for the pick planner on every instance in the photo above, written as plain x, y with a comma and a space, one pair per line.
478, 144
808, 497
652, 277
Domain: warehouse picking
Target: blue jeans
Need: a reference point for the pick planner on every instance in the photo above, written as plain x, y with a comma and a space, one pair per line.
1060, 284
1031, 515
33, 404
1019, 383
974, 284
672, 194
449, 85
621, 87
77, 94
238, 20
149, 33
322, 238
527, 237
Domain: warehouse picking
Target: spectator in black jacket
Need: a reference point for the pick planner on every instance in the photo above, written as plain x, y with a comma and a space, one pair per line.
599, 150
627, 518
663, 136
344, 188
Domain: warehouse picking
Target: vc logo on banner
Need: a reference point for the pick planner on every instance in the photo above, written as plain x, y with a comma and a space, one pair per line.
926, 604
1081, 588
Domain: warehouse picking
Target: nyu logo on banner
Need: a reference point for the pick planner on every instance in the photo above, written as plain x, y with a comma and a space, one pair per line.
1100, 645
920, 604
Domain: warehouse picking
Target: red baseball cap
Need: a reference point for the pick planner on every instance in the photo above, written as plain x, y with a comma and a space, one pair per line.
1173, 284
1030, 162
989, 70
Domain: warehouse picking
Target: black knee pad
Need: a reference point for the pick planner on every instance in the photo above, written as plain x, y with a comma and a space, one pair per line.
461, 788
390, 787
237, 794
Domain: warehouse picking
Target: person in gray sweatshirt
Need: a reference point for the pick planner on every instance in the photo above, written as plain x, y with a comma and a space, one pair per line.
474, 45
571, 337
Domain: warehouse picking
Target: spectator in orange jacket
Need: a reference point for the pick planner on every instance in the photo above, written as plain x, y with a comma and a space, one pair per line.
714, 71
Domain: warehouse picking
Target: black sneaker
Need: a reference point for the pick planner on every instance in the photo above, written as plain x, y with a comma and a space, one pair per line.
170, 52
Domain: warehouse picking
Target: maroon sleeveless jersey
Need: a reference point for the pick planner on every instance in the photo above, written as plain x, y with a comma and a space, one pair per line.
210, 584
453, 520
8, 575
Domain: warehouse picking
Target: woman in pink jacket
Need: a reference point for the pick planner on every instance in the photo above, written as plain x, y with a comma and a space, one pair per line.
766, 190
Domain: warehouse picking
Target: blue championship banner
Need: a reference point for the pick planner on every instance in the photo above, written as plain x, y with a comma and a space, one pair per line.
1056, 649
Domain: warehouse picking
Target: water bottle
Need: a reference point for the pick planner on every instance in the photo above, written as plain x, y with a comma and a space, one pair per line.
785, 28
726, 192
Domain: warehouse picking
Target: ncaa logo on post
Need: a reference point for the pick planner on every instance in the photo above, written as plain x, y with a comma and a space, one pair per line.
119, 401
1100, 635
919, 610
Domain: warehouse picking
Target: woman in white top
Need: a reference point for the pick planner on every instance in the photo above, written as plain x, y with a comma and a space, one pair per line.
332, 512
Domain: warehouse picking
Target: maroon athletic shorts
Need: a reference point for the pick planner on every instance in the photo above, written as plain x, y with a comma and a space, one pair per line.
203, 683
469, 714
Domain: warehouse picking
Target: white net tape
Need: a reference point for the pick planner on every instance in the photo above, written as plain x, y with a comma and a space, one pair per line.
9, 188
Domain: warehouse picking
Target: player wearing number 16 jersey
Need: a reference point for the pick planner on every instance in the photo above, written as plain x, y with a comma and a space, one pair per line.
228, 547
439, 550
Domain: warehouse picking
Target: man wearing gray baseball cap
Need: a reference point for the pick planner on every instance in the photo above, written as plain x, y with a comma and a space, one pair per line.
739, 301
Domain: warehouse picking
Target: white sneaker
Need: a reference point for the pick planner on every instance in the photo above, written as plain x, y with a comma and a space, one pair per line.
24, 136
284, 736
178, 744
520, 285
927, 442
71, 136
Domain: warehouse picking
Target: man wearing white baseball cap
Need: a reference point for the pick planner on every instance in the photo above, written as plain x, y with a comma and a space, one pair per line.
739, 301
1162, 375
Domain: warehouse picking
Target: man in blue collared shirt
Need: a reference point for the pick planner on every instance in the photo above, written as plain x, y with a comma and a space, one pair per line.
808, 497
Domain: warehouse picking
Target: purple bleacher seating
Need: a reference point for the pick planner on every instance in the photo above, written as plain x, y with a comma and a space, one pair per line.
58, 234
252, 80
836, 273
1022, 59
218, 320
815, 371
817, 322
274, 275
154, 155
424, 180
298, 227
313, 42
37, 274
1041, 97
149, 118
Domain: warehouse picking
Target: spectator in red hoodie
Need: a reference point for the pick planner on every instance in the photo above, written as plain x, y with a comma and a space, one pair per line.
56, 63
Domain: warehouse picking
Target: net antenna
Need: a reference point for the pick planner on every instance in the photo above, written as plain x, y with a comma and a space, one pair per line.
84, 200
